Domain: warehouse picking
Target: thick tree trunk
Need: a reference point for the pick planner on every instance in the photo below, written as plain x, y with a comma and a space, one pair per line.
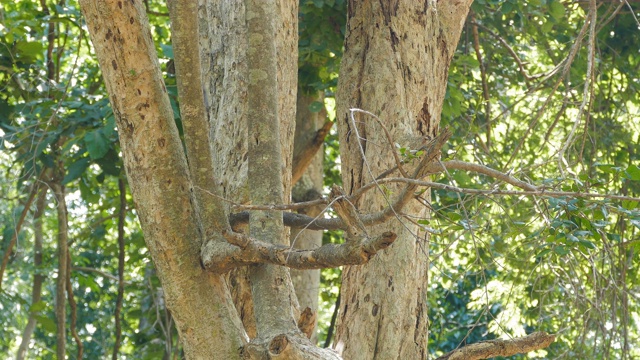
159, 179
395, 65
224, 46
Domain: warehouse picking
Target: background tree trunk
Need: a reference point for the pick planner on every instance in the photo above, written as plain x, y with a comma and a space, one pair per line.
38, 278
309, 187
395, 65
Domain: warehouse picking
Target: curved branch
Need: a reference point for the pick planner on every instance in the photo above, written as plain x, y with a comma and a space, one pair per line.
299, 221
243, 250
480, 169
302, 159
493, 348
7, 252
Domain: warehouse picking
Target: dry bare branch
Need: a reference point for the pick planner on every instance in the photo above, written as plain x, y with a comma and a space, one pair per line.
493, 348
302, 159
243, 250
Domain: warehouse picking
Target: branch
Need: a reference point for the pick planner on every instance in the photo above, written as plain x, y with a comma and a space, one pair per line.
73, 310
299, 221
347, 213
302, 159
243, 250
7, 252
539, 192
493, 348
184, 31
97, 271
63, 256
480, 169
122, 213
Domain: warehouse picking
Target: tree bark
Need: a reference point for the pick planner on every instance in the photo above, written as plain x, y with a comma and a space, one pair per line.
158, 176
38, 278
223, 42
271, 285
395, 65
61, 281
307, 282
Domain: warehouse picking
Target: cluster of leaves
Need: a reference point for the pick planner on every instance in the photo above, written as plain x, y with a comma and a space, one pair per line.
565, 265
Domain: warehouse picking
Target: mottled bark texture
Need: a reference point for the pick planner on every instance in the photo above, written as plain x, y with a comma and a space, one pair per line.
223, 50
156, 167
273, 296
501, 347
395, 65
309, 187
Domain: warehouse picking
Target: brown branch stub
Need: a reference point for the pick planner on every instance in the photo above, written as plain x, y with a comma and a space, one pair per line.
307, 322
347, 213
493, 348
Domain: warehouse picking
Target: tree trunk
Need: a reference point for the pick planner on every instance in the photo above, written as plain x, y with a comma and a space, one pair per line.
159, 179
309, 187
223, 43
395, 65
38, 278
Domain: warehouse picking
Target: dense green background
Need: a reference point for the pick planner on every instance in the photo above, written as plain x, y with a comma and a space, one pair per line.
500, 265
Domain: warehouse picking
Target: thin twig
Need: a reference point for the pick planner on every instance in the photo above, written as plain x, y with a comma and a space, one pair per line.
122, 213
7, 252
587, 85
73, 310
540, 192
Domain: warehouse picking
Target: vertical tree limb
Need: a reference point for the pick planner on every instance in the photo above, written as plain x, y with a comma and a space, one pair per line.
73, 307
61, 282
122, 213
159, 179
16, 231
185, 40
483, 77
38, 278
271, 285
309, 126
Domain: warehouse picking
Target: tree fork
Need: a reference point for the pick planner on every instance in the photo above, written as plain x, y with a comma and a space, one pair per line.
156, 167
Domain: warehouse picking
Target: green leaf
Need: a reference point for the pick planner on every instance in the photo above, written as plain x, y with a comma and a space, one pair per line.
167, 51
47, 324
97, 144
542, 253
506, 8
629, 204
556, 10
633, 172
588, 244
316, 106
29, 49
76, 169
39, 306
561, 250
